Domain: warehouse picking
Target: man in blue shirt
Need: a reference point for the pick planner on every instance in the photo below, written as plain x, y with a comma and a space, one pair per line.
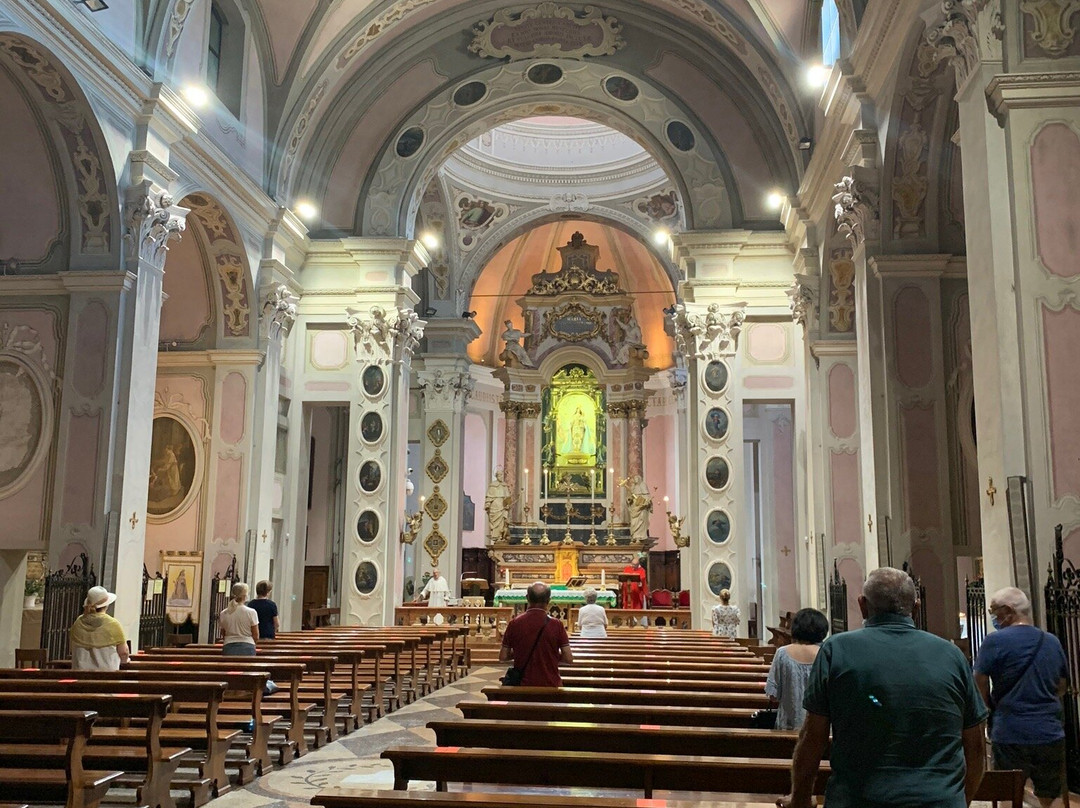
907, 722
1028, 669
266, 609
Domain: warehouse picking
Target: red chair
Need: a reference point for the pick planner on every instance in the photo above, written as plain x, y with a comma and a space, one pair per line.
661, 599
684, 599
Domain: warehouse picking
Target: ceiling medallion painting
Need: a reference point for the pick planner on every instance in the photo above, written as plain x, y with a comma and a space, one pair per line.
547, 30
435, 507
437, 468
435, 544
438, 433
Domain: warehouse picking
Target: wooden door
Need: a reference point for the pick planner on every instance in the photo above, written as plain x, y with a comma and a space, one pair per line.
316, 588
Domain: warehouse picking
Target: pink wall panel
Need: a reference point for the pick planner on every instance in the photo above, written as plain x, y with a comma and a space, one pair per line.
919, 462
912, 346
329, 350
767, 342
80, 473
926, 564
1055, 185
784, 517
842, 401
768, 382
181, 533
1061, 335
476, 477
318, 518
187, 311
233, 407
92, 331
846, 508
852, 572
229, 498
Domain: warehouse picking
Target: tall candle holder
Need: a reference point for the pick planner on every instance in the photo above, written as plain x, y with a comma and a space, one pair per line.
594, 511
526, 539
544, 511
611, 527
566, 485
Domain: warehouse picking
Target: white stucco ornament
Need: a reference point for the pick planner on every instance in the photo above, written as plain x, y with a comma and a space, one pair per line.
547, 30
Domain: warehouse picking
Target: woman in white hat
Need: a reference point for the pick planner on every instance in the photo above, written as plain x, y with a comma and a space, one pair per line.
97, 639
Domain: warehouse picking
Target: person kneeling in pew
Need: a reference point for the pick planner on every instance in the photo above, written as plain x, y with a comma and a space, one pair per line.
97, 638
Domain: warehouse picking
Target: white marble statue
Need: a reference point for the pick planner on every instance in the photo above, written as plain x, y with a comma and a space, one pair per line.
628, 336
514, 355
497, 507
639, 504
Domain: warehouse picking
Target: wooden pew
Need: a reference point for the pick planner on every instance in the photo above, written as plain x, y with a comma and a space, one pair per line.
596, 671
353, 797
664, 683
70, 783
207, 745
600, 695
649, 714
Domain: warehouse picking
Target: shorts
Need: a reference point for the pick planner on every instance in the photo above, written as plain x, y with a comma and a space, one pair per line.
1044, 764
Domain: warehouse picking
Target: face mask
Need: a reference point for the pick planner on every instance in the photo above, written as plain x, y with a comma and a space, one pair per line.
995, 623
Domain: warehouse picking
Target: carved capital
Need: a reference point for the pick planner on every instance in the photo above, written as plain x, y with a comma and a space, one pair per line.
151, 221
384, 338
510, 408
528, 410
1054, 31
803, 298
967, 32
279, 312
856, 207
446, 389
709, 334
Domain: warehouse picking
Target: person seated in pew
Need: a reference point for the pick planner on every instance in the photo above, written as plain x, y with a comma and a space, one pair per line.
537, 643
907, 720
238, 624
592, 617
97, 638
790, 667
266, 609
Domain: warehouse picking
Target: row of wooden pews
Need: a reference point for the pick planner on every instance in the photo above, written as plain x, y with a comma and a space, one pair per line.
632, 710
179, 726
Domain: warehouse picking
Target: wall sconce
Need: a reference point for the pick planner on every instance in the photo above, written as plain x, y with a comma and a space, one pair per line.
675, 526
413, 524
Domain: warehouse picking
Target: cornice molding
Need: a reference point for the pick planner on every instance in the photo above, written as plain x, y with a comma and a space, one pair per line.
1032, 91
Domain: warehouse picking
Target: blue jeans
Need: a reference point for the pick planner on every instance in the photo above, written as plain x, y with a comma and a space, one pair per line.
238, 649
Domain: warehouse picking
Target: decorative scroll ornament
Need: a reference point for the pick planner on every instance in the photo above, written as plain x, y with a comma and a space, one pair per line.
446, 389
438, 433
910, 184
1054, 32
280, 311
842, 301
435, 544
803, 296
152, 222
710, 335
957, 36
573, 322
547, 30
382, 338
856, 210
577, 274
436, 505
176, 24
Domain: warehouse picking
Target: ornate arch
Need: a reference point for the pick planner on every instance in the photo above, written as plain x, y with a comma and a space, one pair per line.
91, 200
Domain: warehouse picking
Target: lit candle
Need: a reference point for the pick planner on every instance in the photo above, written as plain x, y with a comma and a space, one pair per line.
506, 570
603, 578
592, 483
526, 490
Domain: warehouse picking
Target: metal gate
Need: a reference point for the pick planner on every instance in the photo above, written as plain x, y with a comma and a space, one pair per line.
838, 617
65, 591
920, 593
976, 614
219, 598
1062, 600
152, 618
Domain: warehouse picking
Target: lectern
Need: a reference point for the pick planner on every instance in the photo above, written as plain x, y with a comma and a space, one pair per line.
472, 592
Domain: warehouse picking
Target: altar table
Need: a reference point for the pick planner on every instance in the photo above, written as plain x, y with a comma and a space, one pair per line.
559, 597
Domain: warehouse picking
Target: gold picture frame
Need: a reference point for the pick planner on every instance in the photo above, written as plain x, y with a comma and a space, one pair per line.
183, 570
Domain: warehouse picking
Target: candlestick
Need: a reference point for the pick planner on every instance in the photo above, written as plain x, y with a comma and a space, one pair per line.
507, 571
603, 578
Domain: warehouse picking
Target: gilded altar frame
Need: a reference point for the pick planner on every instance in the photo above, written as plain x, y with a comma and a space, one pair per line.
587, 480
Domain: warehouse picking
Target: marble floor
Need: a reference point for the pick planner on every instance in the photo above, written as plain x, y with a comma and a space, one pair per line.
354, 759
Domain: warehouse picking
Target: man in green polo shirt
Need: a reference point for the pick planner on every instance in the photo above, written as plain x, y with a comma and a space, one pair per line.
907, 721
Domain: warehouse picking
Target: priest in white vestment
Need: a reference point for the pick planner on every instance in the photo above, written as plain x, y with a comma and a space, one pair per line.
435, 591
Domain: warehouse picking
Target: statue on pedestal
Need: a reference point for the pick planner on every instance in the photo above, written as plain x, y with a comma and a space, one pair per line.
497, 507
639, 504
514, 355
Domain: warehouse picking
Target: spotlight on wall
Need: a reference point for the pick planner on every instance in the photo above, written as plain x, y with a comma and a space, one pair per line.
817, 75
468, 315
196, 95
92, 5
429, 312
660, 236
430, 240
774, 200
306, 210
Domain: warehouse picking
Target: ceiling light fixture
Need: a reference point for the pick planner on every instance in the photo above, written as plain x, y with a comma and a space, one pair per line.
306, 211
92, 5
774, 200
431, 241
196, 95
817, 75
660, 236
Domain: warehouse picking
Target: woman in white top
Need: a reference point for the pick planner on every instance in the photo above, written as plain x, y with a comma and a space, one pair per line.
97, 639
239, 625
592, 619
725, 617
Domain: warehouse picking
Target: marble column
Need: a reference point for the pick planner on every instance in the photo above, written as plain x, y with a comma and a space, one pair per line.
510, 444
529, 438
618, 430
635, 415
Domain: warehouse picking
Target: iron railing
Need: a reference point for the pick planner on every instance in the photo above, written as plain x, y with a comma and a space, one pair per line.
976, 614
219, 598
838, 616
920, 593
1062, 600
65, 591
152, 617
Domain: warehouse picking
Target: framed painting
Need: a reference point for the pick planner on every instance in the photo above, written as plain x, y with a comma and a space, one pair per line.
173, 468
183, 572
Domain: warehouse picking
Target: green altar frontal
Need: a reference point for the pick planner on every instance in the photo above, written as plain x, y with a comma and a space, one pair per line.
559, 597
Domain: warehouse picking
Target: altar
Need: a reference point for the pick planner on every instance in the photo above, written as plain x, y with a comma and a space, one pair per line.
563, 598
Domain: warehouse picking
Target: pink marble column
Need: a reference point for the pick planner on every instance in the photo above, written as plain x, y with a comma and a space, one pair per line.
510, 449
634, 414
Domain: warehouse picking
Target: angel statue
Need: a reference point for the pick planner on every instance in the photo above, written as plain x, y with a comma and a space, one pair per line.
412, 527
675, 526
